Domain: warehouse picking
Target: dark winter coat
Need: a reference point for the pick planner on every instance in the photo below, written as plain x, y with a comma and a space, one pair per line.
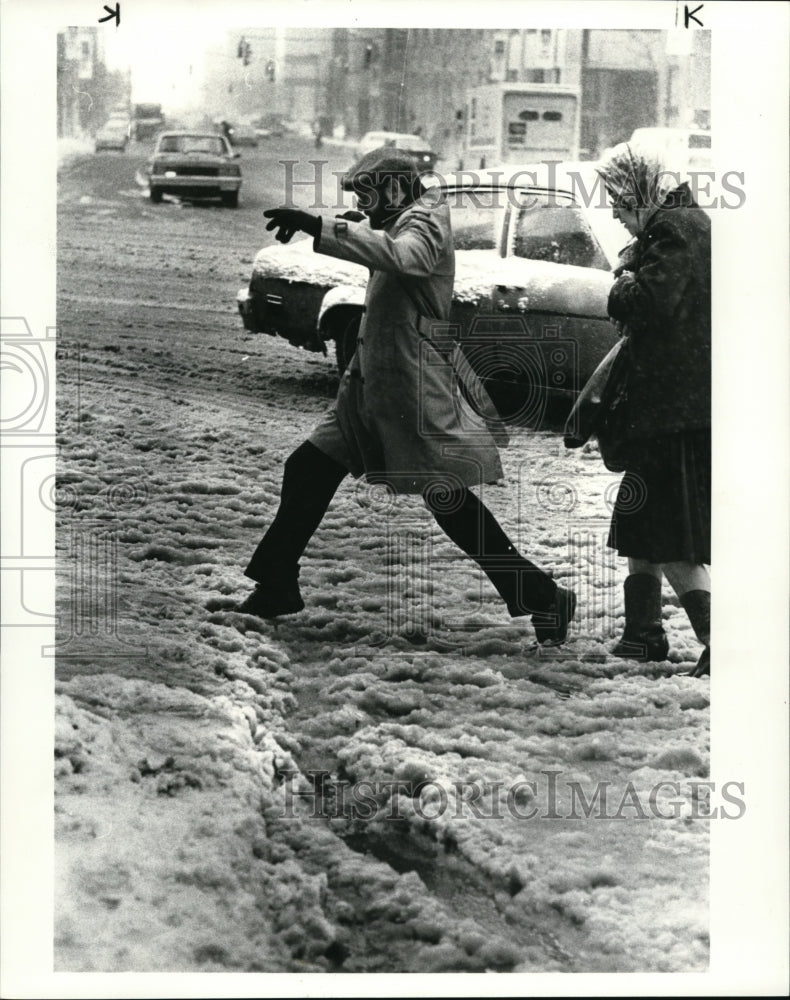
400, 417
665, 305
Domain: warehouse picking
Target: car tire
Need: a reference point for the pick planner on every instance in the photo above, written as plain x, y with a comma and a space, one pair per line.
155, 195
346, 341
230, 199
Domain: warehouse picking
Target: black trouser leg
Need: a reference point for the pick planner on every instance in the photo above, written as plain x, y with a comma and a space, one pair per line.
470, 524
310, 480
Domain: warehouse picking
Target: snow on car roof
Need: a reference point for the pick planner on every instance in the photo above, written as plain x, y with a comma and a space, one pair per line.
476, 271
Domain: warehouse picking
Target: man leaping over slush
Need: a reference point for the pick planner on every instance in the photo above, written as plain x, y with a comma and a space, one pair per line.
400, 418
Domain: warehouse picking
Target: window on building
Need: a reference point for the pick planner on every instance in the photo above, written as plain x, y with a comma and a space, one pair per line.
552, 116
511, 76
528, 116
499, 47
697, 141
591, 87
86, 50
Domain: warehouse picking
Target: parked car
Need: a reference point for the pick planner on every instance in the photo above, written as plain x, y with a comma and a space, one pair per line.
533, 273
194, 165
414, 144
269, 126
242, 134
687, 149
114, 134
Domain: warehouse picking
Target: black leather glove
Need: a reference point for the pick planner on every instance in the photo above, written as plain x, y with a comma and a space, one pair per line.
288, 221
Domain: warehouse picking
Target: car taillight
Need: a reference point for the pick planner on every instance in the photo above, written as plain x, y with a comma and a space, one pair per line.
156, 168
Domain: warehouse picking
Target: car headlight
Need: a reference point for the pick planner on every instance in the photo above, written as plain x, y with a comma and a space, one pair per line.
233, 169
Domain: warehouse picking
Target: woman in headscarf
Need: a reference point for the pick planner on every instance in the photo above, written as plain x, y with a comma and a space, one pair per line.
661, 300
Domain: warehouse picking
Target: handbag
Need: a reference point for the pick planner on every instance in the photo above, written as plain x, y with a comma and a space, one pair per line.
601, 409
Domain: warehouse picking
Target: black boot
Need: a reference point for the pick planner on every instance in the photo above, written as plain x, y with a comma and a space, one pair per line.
644, 637
696, 604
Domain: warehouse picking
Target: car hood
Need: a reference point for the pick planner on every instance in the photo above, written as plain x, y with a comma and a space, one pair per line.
547, 286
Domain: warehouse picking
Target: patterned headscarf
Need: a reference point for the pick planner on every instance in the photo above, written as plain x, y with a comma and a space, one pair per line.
639, 175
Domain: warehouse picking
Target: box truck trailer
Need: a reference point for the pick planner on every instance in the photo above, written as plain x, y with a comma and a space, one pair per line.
521, 123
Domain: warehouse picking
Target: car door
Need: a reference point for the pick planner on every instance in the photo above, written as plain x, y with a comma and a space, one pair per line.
547, 328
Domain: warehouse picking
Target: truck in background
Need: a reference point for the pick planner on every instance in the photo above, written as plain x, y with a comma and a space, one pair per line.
521, 123
148, 120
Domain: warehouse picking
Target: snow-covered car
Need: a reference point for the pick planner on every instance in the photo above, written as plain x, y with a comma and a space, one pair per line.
194, 165
113, 135
533, 273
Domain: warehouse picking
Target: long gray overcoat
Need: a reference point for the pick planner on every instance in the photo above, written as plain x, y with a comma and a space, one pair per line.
400, 417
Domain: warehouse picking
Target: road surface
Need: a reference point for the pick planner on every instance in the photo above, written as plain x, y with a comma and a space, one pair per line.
395, 780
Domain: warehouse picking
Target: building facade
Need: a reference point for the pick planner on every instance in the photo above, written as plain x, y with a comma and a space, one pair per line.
257, 71
355, 80
418, 79
86, 91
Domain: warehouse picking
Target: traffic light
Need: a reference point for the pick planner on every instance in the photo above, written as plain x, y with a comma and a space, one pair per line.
240, 48
247, 54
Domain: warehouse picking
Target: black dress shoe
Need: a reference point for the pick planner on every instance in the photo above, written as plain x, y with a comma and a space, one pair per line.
267, 602
551, 625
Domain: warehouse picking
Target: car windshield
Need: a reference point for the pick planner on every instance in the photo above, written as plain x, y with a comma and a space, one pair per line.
212, 144
548, 228
476, 217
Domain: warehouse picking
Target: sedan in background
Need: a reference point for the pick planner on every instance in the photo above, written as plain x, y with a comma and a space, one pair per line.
269, 126
194, 165
113, 135
414, 144
533, 273
686, 148
243, 135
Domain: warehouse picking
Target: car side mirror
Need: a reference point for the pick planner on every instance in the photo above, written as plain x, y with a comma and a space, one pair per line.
236, 155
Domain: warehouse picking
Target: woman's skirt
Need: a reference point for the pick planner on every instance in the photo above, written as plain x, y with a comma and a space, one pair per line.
662, 511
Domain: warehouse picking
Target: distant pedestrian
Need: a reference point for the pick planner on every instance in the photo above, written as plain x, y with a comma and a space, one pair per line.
398, 419
661, 299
